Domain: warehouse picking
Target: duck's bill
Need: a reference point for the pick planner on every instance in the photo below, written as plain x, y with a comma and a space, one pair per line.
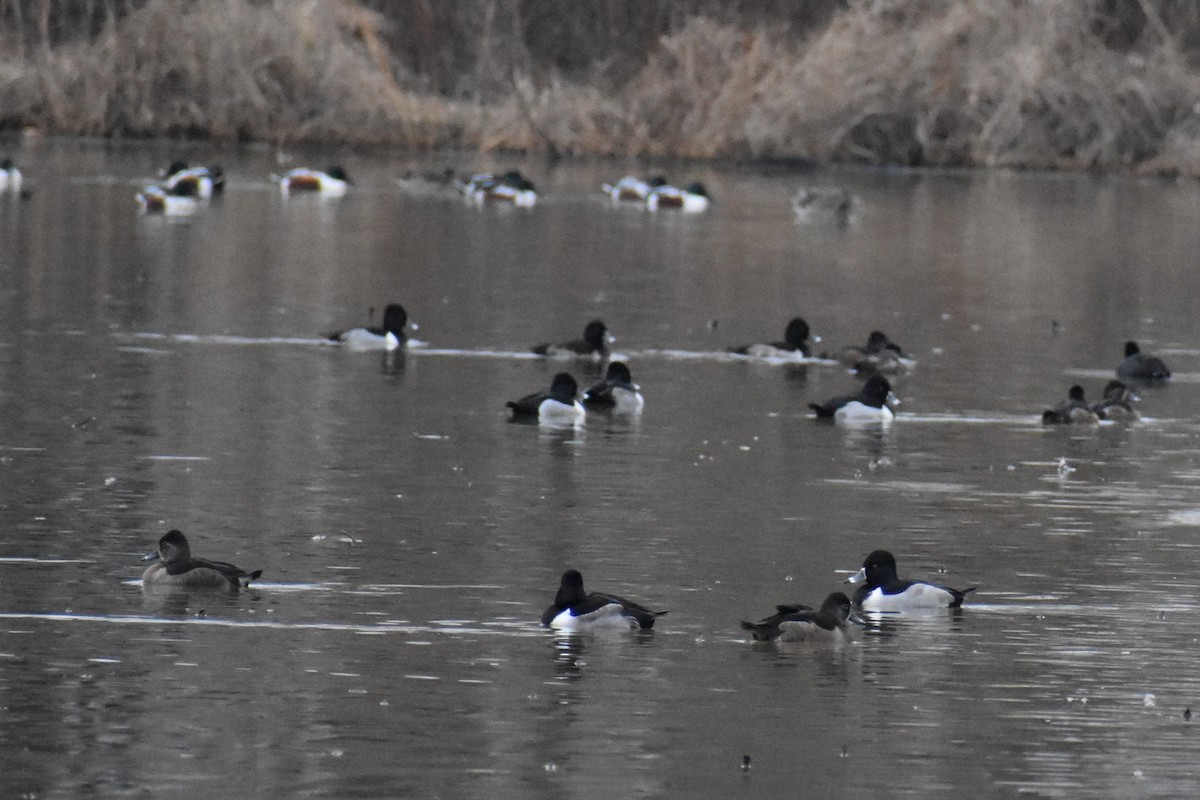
150, 556
608, 337
857, 577
856, 619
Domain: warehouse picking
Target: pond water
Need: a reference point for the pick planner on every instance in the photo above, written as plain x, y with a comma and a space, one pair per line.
168, 372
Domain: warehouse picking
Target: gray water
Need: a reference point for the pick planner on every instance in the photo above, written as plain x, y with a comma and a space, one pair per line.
159, 373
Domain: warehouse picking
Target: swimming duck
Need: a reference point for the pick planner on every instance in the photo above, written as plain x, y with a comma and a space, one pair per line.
1117, 404
187, 181
869, 405
617, 392
157, 200
813, 203
1137, 366
389, 336
174, 567
511, 187
594, 344
631, 188
557, 405
879, 354
333, 182
1072, 411
575, 609
883, 591
10, 177
795, 342
800, 623
693, 199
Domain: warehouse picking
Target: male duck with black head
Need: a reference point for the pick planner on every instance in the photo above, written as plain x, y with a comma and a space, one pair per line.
389, 336
882, 590
574, 609
174, 568
794, 344
617, 392
593, 345
868, 406
559, 406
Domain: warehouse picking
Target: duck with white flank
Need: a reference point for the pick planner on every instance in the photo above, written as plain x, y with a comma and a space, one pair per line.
882, 590
391, 335
692, 200
800, 623
1117, 404
157, 200
574, 609
511, 187
202, 182
333, 182
632, 189
869, 405
617, 392
795, 343
555, 406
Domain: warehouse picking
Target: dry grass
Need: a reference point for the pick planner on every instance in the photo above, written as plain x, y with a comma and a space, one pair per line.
1078, 84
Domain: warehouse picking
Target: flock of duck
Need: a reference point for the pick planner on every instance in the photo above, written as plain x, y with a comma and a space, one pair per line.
182, 187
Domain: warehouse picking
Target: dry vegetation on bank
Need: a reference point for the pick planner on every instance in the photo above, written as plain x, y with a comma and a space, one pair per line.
1077, 84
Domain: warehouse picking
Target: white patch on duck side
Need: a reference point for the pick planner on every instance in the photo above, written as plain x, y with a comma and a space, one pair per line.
856, 412
363, 339
611, 615
919, 595
553, 411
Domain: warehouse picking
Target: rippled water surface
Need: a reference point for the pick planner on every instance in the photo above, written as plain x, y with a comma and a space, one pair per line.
159, 373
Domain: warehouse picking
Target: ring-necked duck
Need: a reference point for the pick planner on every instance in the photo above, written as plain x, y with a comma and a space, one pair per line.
879, 354
800, 623
1072, 411
693, 199
631, 188
594, 344
333, 182
200, 182
883, 591
511, 187
174, 567
573, 608
10, 177
869, 405
389, 336
157, 200
557, 405
1138, 366
1117, 404
795, 342
617, 392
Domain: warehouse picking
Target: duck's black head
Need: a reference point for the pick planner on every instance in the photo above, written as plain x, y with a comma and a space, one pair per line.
618, 372
336, 171
797, 333
877, 389
697, 189
880, 567
564, 388
395, 318
1076, 393
1132, 349
570, 590
596, 334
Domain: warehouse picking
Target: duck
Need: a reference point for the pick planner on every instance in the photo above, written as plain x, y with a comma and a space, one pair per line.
617, 392
202, 182
175, 568
157, 200
800, 623
1138, 366
559, 404
389, 336
511, 187
693, 199
812, 203
883, 591
1072, 411
879, 354
333, 182
795, 343
594, 344
631, 188
1117, 404
869, 405
574, 609
10, 177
